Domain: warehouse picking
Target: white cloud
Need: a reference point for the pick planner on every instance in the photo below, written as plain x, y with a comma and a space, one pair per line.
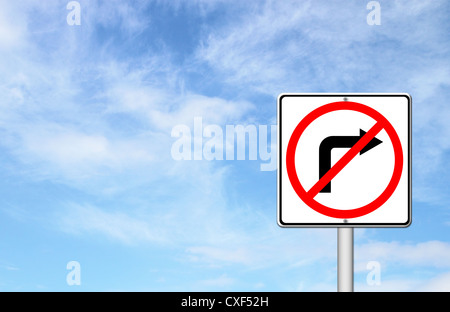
390, 285
59, 113
267, 245
62, 133
69, 148
210, 254
164, 109
292, 46
316, 287
213, 110
9, 267
12, 29
84, 158
129, 16
439, 283
188, 200
221, 281
244, 50
430, 254
217, 235
420, 266
116, 225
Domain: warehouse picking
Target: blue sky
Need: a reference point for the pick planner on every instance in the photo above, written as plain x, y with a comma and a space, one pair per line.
86, 115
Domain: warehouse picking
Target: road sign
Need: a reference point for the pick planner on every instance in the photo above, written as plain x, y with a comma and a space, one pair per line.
344, 160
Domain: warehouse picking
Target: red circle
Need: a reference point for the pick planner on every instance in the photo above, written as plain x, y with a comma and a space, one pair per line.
310, 201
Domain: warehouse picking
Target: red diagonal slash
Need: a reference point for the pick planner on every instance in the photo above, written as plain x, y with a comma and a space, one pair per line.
345, 160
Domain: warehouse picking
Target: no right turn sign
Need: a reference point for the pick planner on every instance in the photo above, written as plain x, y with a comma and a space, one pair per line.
344, 160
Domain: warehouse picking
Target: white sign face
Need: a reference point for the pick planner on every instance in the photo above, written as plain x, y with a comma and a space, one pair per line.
344, 160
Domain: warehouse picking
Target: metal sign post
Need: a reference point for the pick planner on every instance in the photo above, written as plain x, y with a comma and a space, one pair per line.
345, 259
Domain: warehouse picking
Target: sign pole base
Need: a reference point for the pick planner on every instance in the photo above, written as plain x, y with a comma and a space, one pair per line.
345, 259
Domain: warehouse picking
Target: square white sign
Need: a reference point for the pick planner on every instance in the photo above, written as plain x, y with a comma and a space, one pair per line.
344, 160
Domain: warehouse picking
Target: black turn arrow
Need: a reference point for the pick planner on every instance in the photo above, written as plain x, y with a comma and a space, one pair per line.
339, 142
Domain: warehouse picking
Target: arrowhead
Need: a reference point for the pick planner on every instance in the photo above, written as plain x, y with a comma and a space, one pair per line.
374, 142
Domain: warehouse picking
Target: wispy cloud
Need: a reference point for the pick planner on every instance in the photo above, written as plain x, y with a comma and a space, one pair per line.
430, 253
10, 267
94, 118
12, 30
438, 283
278, 47
116, 225
221, 281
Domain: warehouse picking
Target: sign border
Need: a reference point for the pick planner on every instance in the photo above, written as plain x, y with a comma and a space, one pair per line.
280, 160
